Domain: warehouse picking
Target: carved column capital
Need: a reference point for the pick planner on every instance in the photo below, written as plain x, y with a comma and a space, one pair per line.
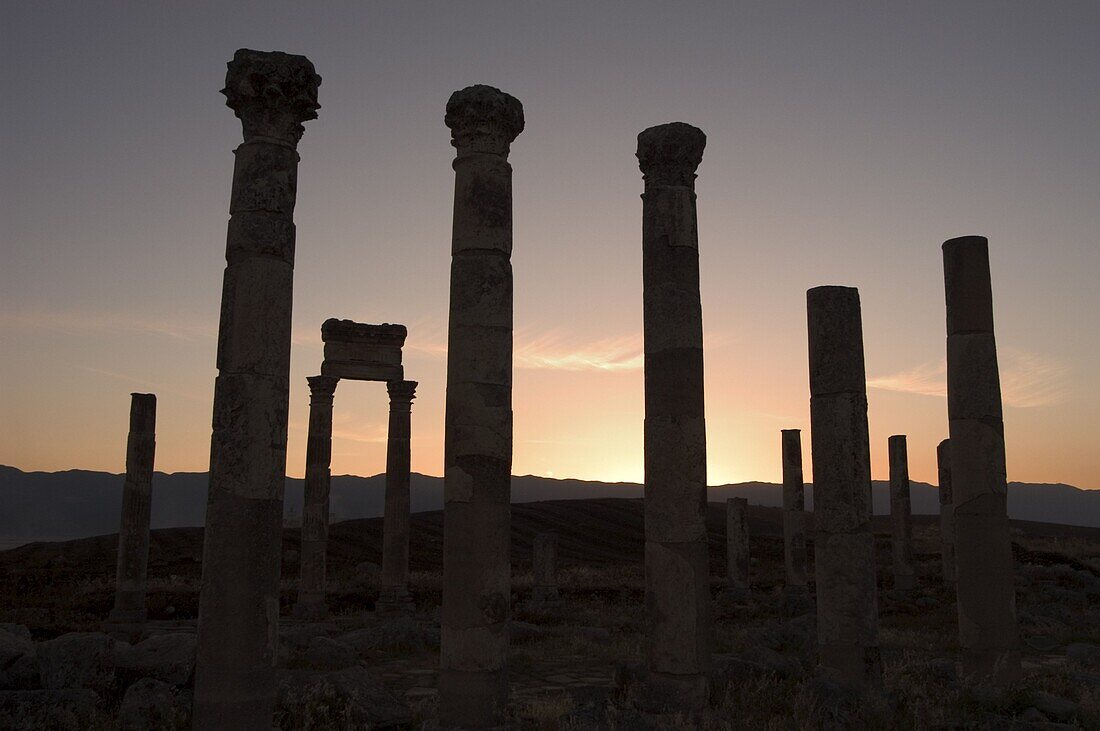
669, 154
272, 93
483, 119
401, 392
322, 389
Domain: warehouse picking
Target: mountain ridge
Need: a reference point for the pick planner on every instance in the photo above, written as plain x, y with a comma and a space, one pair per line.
78, 503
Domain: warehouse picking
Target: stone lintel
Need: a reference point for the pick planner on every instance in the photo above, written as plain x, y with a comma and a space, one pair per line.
361, 352
349, 331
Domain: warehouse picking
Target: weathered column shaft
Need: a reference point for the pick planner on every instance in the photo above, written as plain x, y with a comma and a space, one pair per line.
844, 548
947, 513
129, 612
678, 613
794, 510
473, 689
315, 499
737, 543
394, 586
901, 515
272, 94
544, 568
988, 630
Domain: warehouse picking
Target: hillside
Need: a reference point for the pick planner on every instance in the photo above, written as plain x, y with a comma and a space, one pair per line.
78, 503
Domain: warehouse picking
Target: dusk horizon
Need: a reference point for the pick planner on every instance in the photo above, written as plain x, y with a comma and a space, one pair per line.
823, 165
477, 366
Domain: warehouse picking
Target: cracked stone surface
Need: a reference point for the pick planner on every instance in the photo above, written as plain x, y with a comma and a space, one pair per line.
544, 567
947, 514
737, 543
986, 595
794, 511
127, 618
394, 585
901, 515
678, 613
272, 93
473, 689
844, 550
315, 504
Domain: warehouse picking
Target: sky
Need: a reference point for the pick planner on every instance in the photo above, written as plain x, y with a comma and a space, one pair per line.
846, 142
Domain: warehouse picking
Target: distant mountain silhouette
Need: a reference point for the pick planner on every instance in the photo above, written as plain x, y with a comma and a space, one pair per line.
79, 503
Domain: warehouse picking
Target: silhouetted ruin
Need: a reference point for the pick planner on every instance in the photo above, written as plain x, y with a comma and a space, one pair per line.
901, 516
272, 94
737, 549
473, 685
394, 597
947, 514
796, 592
335, 662
678, 612
127, 619
986, 593
315, 504
844, 548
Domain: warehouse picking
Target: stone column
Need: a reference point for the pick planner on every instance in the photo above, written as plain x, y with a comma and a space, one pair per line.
844, 546
678, 613
473, 687
901, 515
127, 620
988, 631
737, 548
393, 589
311, 580
796, 592
947, 514
272, 94
544, 564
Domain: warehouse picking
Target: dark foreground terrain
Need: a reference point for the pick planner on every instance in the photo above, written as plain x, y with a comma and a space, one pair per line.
571, 667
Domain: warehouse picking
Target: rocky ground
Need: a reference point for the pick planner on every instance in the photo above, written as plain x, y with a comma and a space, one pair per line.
571, 667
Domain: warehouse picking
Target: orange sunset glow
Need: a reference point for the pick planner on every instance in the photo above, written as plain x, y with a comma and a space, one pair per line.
828, 161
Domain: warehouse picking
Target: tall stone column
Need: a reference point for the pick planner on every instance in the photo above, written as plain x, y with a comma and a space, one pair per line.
544, 565
473, 687
737, 547
272, 94
678, 614
844, 547
986, 594
394, 597
796, 591
901, 515
127, 620
311, 579
947, 514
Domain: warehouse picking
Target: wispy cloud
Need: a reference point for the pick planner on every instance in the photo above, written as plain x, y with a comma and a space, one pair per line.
152, 386
78, 323
1030, 379
928, 379
1027, 379
556, 350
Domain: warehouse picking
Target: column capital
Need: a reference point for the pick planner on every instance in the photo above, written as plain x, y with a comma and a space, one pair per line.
272, 93
322, 388
401, 391
669, 154
483, 119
